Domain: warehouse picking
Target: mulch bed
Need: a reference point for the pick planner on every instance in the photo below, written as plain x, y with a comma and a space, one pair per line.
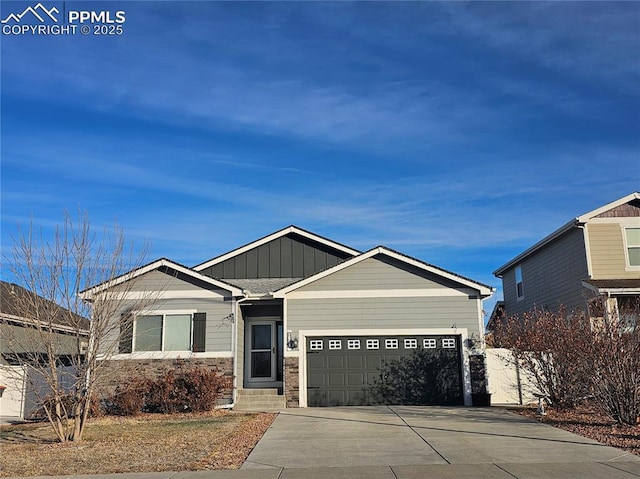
588, 422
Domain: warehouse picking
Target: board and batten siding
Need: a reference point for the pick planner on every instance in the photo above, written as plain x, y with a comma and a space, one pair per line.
183, 296
608, 256
383, 313
551, 277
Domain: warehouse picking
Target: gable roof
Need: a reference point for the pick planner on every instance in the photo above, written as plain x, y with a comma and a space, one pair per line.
16, 302
273, 236
159, 263
483, 289
573, 223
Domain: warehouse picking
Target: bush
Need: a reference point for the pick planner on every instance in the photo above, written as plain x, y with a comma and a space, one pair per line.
185, 389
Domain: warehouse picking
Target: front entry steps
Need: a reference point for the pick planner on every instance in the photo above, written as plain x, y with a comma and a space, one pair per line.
259, 400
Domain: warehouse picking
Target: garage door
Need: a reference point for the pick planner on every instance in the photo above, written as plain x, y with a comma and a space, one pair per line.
370, 370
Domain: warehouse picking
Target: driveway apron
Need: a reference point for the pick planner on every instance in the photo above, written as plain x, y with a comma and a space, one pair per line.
411, 437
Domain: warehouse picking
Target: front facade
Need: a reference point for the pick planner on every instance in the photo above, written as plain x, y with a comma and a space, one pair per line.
594, 256
317, 321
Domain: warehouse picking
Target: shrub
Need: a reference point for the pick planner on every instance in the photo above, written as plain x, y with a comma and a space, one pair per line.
185, 389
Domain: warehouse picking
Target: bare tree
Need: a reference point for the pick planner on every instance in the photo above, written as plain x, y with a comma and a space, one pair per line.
68, 333
573, 357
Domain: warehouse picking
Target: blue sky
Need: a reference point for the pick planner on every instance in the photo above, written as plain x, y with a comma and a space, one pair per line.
458, 133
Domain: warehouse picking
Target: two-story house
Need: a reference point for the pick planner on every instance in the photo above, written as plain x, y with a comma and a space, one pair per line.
593, 256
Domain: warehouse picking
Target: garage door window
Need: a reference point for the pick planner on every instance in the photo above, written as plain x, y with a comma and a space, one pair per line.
353, 344
449, 343
335, 344
373, 344
429, 343
315, 345
410, 343
391, 344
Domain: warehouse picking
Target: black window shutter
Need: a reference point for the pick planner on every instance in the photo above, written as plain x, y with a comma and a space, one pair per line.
199, 331
126, 334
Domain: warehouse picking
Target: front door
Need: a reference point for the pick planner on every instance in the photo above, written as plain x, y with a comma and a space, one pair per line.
262, 352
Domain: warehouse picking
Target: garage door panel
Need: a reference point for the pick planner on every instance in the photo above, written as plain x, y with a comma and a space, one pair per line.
335, 362
401, 370
336, 379
355, 362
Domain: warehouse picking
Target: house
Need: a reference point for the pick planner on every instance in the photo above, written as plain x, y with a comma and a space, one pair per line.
305, 319
24, 338
594, 256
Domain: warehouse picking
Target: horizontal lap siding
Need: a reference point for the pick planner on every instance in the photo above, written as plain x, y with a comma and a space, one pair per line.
218, 307
608, 258
551, 277
375, 273
381, 313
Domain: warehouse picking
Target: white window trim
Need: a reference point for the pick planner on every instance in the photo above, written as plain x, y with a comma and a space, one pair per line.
335, 344
316, 345
432, 343
391, 344
373, 344
624, 228
353, 344
448, 343
411, 341
163, 313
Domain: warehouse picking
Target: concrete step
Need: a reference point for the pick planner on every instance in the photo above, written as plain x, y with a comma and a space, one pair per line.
258, 392
259, 400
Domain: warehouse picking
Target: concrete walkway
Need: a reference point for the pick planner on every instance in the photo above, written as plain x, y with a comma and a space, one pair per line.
416, 442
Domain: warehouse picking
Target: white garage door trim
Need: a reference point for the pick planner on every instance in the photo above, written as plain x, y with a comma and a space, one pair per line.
302, 341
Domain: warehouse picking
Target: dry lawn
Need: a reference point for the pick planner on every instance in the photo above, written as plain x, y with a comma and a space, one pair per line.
147, 443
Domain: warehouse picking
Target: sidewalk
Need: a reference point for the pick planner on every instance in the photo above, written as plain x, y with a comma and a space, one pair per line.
401, 442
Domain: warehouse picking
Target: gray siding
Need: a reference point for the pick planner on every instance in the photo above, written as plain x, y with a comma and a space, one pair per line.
551, 277
218, 308
382, 313
380, 272
290, 256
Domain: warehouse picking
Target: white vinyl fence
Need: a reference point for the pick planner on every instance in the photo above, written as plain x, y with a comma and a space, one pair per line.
508, 384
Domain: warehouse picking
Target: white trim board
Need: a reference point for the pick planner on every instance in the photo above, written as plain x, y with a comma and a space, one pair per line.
381, 293
381, 250
271, 237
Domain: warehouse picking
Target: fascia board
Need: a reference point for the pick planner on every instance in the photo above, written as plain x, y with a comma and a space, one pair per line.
153, 266
483, 290
587, 216
540, 244
271, 237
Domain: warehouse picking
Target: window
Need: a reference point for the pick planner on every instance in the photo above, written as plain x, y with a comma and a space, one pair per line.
429, 343
449, 343
353, 344
410, 343
391, 343
335, 344
315, 345
632, 235
519, 284
373, 344
163, 332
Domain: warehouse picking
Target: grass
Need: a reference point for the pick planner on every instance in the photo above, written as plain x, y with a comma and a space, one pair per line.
148, 443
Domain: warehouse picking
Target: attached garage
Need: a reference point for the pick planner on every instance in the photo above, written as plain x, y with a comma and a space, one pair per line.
390, 369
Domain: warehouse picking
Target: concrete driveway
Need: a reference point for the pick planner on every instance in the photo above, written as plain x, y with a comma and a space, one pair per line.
401, 441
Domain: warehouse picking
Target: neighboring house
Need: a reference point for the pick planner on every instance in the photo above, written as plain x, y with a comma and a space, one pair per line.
309, 318
21, 343
593, 256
